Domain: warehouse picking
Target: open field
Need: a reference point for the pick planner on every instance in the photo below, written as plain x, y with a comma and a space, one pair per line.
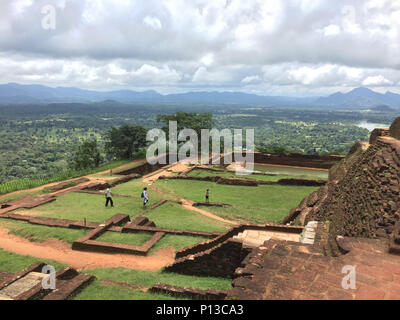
172, 216
77, 206
39, 233
134, 239
11, 262
134, 188
254, 204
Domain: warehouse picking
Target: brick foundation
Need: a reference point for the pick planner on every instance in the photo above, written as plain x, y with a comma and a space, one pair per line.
190, 293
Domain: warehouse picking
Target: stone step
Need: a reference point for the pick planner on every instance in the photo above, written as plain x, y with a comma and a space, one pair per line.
22, 285
255, 238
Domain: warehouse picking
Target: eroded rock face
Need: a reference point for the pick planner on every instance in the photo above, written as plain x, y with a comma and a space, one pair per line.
394, 130
339, 169
378, 132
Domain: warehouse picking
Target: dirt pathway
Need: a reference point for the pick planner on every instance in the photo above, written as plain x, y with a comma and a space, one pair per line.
60, 251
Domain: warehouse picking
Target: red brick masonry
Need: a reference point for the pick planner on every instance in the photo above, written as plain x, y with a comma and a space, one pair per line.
291, 271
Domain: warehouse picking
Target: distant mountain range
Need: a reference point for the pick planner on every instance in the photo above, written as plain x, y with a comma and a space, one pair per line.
360, 98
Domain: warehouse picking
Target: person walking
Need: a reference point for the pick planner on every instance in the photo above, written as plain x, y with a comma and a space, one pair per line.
207, 195
108, 198
145, 196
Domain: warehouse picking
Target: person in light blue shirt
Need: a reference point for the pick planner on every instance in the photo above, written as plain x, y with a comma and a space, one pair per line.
145, 197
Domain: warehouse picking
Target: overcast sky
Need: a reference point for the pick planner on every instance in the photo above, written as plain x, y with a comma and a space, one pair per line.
272, 47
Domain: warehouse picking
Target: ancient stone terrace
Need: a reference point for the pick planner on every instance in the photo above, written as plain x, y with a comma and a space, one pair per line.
27, 284
282, 270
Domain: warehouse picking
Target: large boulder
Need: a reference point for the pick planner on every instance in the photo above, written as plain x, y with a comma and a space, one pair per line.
394, 130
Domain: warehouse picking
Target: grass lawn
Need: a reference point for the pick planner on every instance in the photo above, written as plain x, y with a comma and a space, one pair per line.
77, 206
149, 278
176, 241
171, 215
253, 204
12, 262
35, 232
134, 188
97, 291
134, 239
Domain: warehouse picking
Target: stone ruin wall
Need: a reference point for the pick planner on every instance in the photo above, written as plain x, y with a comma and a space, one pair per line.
294, 159
362, 196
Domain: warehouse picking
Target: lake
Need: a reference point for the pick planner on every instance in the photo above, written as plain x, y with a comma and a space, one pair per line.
371, 126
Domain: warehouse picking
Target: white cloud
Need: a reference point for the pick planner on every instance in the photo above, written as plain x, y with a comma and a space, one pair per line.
149, 73
152, 22
201, 75
208, 59
21, 5
251, 79
207, 77
309, 75
331, 30
116, 70
349, 21
266, 46
376, 81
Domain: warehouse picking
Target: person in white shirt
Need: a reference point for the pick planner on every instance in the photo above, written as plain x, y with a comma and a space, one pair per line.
145, 196
108, 198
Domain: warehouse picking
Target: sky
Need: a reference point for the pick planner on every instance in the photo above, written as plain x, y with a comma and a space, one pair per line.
268, 47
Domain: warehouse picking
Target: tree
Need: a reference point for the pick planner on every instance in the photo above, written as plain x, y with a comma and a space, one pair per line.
87, 156
124, 142
187, 120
